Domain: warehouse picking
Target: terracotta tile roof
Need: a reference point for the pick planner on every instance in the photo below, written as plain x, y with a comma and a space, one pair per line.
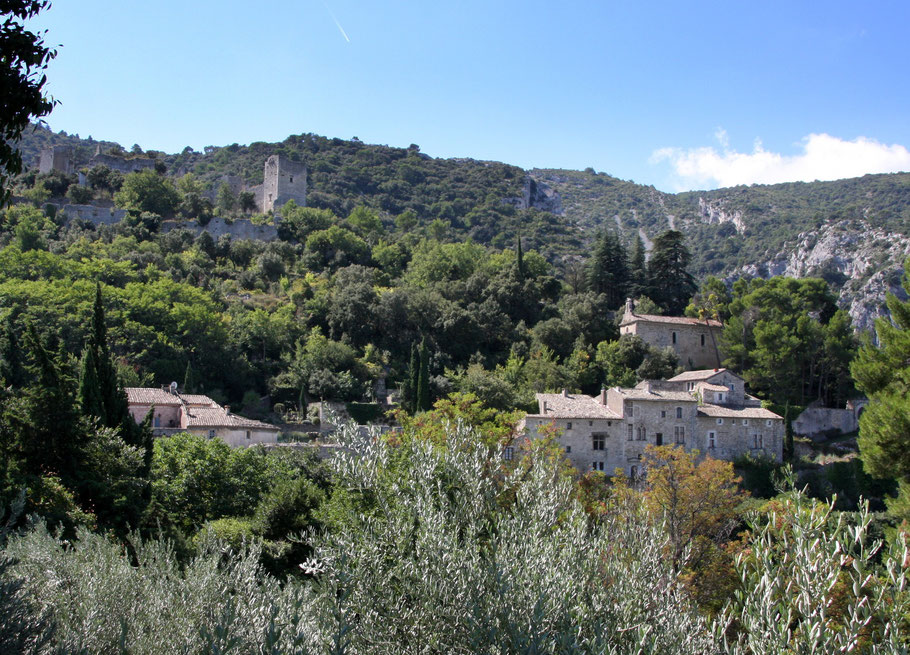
573, 406
217, 417
150, 396
719, 411
703, 374
197, 399
628, 319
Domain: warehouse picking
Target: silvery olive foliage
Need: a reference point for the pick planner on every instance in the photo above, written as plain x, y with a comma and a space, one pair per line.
455, 551
810, 585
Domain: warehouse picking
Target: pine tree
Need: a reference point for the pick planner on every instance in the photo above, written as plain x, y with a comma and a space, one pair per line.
608, 269
423, 379
883, 373
12, 372
669, 281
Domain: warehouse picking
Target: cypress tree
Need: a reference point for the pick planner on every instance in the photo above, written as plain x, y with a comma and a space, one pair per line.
410, 390
189, 380
89, 392
520, 261
423, 379
12, 372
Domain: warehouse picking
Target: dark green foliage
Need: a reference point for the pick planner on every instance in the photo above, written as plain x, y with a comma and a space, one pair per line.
670, 284
789, 341
883, 372
363, 413
608, 269
23, 59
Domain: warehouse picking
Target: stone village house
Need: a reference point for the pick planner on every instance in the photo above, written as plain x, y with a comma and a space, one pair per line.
707, 410
197, 414
695, 341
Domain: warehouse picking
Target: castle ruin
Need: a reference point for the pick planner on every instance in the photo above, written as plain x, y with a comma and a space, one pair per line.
283, 180
57, 158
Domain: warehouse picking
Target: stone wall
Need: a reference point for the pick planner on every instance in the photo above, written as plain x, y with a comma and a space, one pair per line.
734, 438
241, 228
818, 422
92, 214
121, 164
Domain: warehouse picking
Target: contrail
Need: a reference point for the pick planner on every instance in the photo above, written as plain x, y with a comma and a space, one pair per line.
340, 28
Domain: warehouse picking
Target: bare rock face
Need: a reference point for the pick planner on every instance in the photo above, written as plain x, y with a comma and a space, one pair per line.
865, 263
535, 194
713, 212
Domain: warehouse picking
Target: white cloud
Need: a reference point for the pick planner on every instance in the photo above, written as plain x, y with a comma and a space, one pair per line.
823, 157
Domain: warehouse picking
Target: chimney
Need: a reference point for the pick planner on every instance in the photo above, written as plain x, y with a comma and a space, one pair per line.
648, 386
227, 409
544, 406
565, 393
603, 396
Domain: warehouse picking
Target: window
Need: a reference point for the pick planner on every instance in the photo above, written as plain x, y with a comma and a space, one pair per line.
629, 437
732, 421
712, 440
633, 472
247, 434
292, 180
679, 412
157, 421
674, 338
597, 466
720, 421
768, 422
720, 397
758, 440
745, 421
663, 413
690, 386
508, 453
642, 433
680, 433
569, 425
597, 442
568, 449
702, 341
590, 423
211, 434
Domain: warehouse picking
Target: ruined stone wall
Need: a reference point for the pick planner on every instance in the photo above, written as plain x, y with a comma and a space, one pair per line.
57, 158
241, 228
121, 164
92, 214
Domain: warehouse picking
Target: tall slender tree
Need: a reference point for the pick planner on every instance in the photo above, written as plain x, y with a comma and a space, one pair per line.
638, 269
423, 379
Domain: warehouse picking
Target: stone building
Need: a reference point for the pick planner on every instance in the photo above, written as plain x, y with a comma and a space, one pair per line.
706, 410
197, 414
283, 180
56, 158
695, 341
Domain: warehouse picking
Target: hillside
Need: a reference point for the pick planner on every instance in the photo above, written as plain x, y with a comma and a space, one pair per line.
855, 233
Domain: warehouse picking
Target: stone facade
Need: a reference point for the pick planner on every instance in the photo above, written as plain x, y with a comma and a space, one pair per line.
57, 158
122, 164
197, 414
695, 341
707, 411
92, 214
283, 180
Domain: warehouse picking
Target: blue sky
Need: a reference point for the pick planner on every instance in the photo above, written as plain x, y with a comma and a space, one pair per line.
678, 95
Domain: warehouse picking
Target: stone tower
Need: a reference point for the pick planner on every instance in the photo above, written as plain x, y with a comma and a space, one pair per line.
283, 180
57, 158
